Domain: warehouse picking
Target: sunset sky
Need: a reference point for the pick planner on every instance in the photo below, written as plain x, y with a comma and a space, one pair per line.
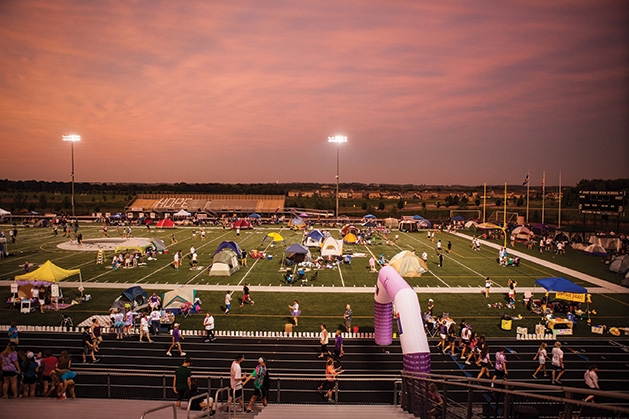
427, 92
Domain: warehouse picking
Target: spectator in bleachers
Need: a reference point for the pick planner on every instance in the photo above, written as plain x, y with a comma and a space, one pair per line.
436, 401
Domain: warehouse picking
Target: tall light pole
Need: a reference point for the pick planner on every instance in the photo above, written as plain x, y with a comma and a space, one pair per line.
338, 139
73, 138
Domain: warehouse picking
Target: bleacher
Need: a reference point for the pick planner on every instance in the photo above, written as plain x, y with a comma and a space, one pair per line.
208, 203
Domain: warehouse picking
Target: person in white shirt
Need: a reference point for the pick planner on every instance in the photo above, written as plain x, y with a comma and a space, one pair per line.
235, 381
557, 361
591, 381
144, 328
208, 323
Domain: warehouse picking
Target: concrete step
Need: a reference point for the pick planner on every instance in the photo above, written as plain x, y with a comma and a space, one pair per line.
301, 411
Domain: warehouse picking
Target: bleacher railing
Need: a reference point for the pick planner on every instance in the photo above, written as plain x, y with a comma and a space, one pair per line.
464, 398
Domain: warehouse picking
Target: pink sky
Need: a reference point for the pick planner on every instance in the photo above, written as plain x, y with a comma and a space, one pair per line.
427, 92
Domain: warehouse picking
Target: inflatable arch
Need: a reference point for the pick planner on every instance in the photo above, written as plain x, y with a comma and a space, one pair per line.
391, 289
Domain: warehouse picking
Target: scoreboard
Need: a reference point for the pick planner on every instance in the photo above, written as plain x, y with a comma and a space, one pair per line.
602, 202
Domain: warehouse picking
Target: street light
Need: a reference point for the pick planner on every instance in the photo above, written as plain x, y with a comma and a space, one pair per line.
338, 139
73, 138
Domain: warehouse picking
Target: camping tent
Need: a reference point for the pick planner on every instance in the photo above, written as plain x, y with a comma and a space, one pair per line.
522, 233
165, 223
564, 289
242, 224
298, 253
595, 250
406, 263
332, 247
297, 222
424, 224
274, 237
620, 264
348, 228
458, 218
314, 239
408, 225
390, 222
471, 224
350, 238
229, 245
370, 217
135, 297
159, 244
172, 300
369, 224
4, 213
224, 263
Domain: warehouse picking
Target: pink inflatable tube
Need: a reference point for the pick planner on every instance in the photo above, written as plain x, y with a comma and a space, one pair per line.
391, 289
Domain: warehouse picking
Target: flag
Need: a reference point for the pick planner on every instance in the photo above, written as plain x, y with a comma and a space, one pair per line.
526, 180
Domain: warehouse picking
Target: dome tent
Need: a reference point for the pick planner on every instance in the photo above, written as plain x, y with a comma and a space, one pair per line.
408, 264
224, 263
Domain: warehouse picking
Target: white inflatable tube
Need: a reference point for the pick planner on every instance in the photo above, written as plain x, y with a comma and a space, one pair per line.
391, 289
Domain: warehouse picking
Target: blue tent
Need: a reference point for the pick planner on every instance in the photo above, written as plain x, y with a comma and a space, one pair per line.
134, 297
297, 248
254, 215
459, 218
556, 284
369, 216
418, 217
229, 245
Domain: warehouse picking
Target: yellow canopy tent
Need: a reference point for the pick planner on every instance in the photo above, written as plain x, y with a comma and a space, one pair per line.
48, 273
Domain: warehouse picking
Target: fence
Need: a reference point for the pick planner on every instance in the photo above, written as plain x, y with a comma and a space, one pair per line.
464, 398
470, 398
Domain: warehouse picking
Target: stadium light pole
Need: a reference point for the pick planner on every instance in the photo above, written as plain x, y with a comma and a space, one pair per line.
338, 139
73, 138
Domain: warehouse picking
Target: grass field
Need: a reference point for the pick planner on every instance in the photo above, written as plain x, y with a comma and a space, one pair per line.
321, 302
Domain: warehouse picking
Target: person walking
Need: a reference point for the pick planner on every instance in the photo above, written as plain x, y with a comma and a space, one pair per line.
500, 368
440, 259
144, 328
260, 391
487, 287
246, 297
155, 317
235, 382
330, 379
339, 350
347, 318
323, 339
591, 381
13, 334
182, 381
449, 246
177, 337
208, 324
557, 362
88, 345
228, 302
541, 356
485, 362
295, 312
10, 370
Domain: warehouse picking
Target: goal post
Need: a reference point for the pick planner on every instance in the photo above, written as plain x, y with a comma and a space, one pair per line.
499, 216
467, 214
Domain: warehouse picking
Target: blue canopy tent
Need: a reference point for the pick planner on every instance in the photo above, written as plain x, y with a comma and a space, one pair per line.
229, 245
566, 290
557, 284
370, 216
417, 217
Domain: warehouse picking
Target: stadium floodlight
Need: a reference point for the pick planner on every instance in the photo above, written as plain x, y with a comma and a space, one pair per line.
72, 138
338, 139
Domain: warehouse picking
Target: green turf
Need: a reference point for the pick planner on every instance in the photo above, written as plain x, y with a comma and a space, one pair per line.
463, 268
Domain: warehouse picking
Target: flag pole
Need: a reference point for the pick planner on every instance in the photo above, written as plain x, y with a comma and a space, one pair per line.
528, 191
559, 217
543, 193
484, 200
504, 222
